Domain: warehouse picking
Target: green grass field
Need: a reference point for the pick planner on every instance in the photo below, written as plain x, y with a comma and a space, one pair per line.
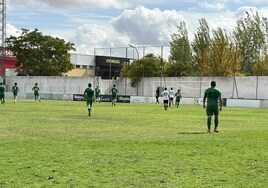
55, 144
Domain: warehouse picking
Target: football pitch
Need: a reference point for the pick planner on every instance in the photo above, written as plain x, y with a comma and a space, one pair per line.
56, 144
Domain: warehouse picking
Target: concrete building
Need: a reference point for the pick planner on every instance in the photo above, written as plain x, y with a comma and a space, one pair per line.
105, 67
84, 65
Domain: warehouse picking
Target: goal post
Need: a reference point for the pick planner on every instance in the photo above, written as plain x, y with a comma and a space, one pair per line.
189, 89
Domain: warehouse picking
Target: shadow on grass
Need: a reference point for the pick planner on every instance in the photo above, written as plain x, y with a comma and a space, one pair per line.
192, 133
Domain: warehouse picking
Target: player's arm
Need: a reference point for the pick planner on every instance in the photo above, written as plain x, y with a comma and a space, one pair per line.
220, 100
84, 94
204, 101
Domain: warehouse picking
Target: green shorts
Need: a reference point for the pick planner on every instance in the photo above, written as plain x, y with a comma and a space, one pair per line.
114, 97
89, 101
211, 112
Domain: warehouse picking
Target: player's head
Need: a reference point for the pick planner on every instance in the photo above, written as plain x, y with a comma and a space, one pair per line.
36, 84
89, 84
15, 83
213, 83
1, 83
179, 90
114, 85
165, 88
171, 88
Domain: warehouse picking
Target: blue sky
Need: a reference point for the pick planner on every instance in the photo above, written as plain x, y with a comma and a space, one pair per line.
93, 24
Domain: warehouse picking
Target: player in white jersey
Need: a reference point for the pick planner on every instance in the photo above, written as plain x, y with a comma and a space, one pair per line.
171, 96
165, 95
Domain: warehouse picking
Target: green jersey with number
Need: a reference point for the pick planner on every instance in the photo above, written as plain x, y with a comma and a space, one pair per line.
178, 96
36, 89
97, 92
15, 90
89, 93
212, 95
114, 91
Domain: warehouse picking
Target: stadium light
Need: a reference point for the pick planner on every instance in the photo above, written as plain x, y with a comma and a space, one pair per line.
138, 55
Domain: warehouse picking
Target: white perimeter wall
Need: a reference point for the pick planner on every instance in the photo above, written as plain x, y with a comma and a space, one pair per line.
191, 87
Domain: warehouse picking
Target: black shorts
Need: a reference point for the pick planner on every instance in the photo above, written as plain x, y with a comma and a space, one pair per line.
165, 101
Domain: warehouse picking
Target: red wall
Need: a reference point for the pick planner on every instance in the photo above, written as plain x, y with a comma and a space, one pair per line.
9, 64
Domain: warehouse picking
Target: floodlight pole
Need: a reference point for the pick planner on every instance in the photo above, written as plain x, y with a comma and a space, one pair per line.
138, 55
3, 39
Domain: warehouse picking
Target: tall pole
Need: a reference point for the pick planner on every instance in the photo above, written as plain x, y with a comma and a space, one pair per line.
110, 75
161, 61
3, 38
134, 47
125, 77
138, 56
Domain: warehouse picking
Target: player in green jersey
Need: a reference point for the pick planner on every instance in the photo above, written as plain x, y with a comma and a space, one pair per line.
97, 94
2, 93
114, 91
89, 96
178, 98
15, 90
36, 92
212, 96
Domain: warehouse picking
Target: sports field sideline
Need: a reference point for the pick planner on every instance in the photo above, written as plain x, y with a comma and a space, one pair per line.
55, 143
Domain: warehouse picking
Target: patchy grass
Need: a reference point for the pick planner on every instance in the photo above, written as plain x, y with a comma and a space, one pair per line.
55, 143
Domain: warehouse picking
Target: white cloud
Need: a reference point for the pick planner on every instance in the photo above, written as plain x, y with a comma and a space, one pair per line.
90, 36
147, 26
256, 2
117, 4
11, 30
138, 26
216, 6
225, 20
241, 12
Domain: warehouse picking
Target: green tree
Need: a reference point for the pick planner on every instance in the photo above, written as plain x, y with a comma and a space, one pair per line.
249, 34
148, 66
260, 68
180, 58
201, 47
40, 55
223, 57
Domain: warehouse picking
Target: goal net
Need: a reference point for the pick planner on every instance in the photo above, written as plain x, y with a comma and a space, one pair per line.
189, 89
